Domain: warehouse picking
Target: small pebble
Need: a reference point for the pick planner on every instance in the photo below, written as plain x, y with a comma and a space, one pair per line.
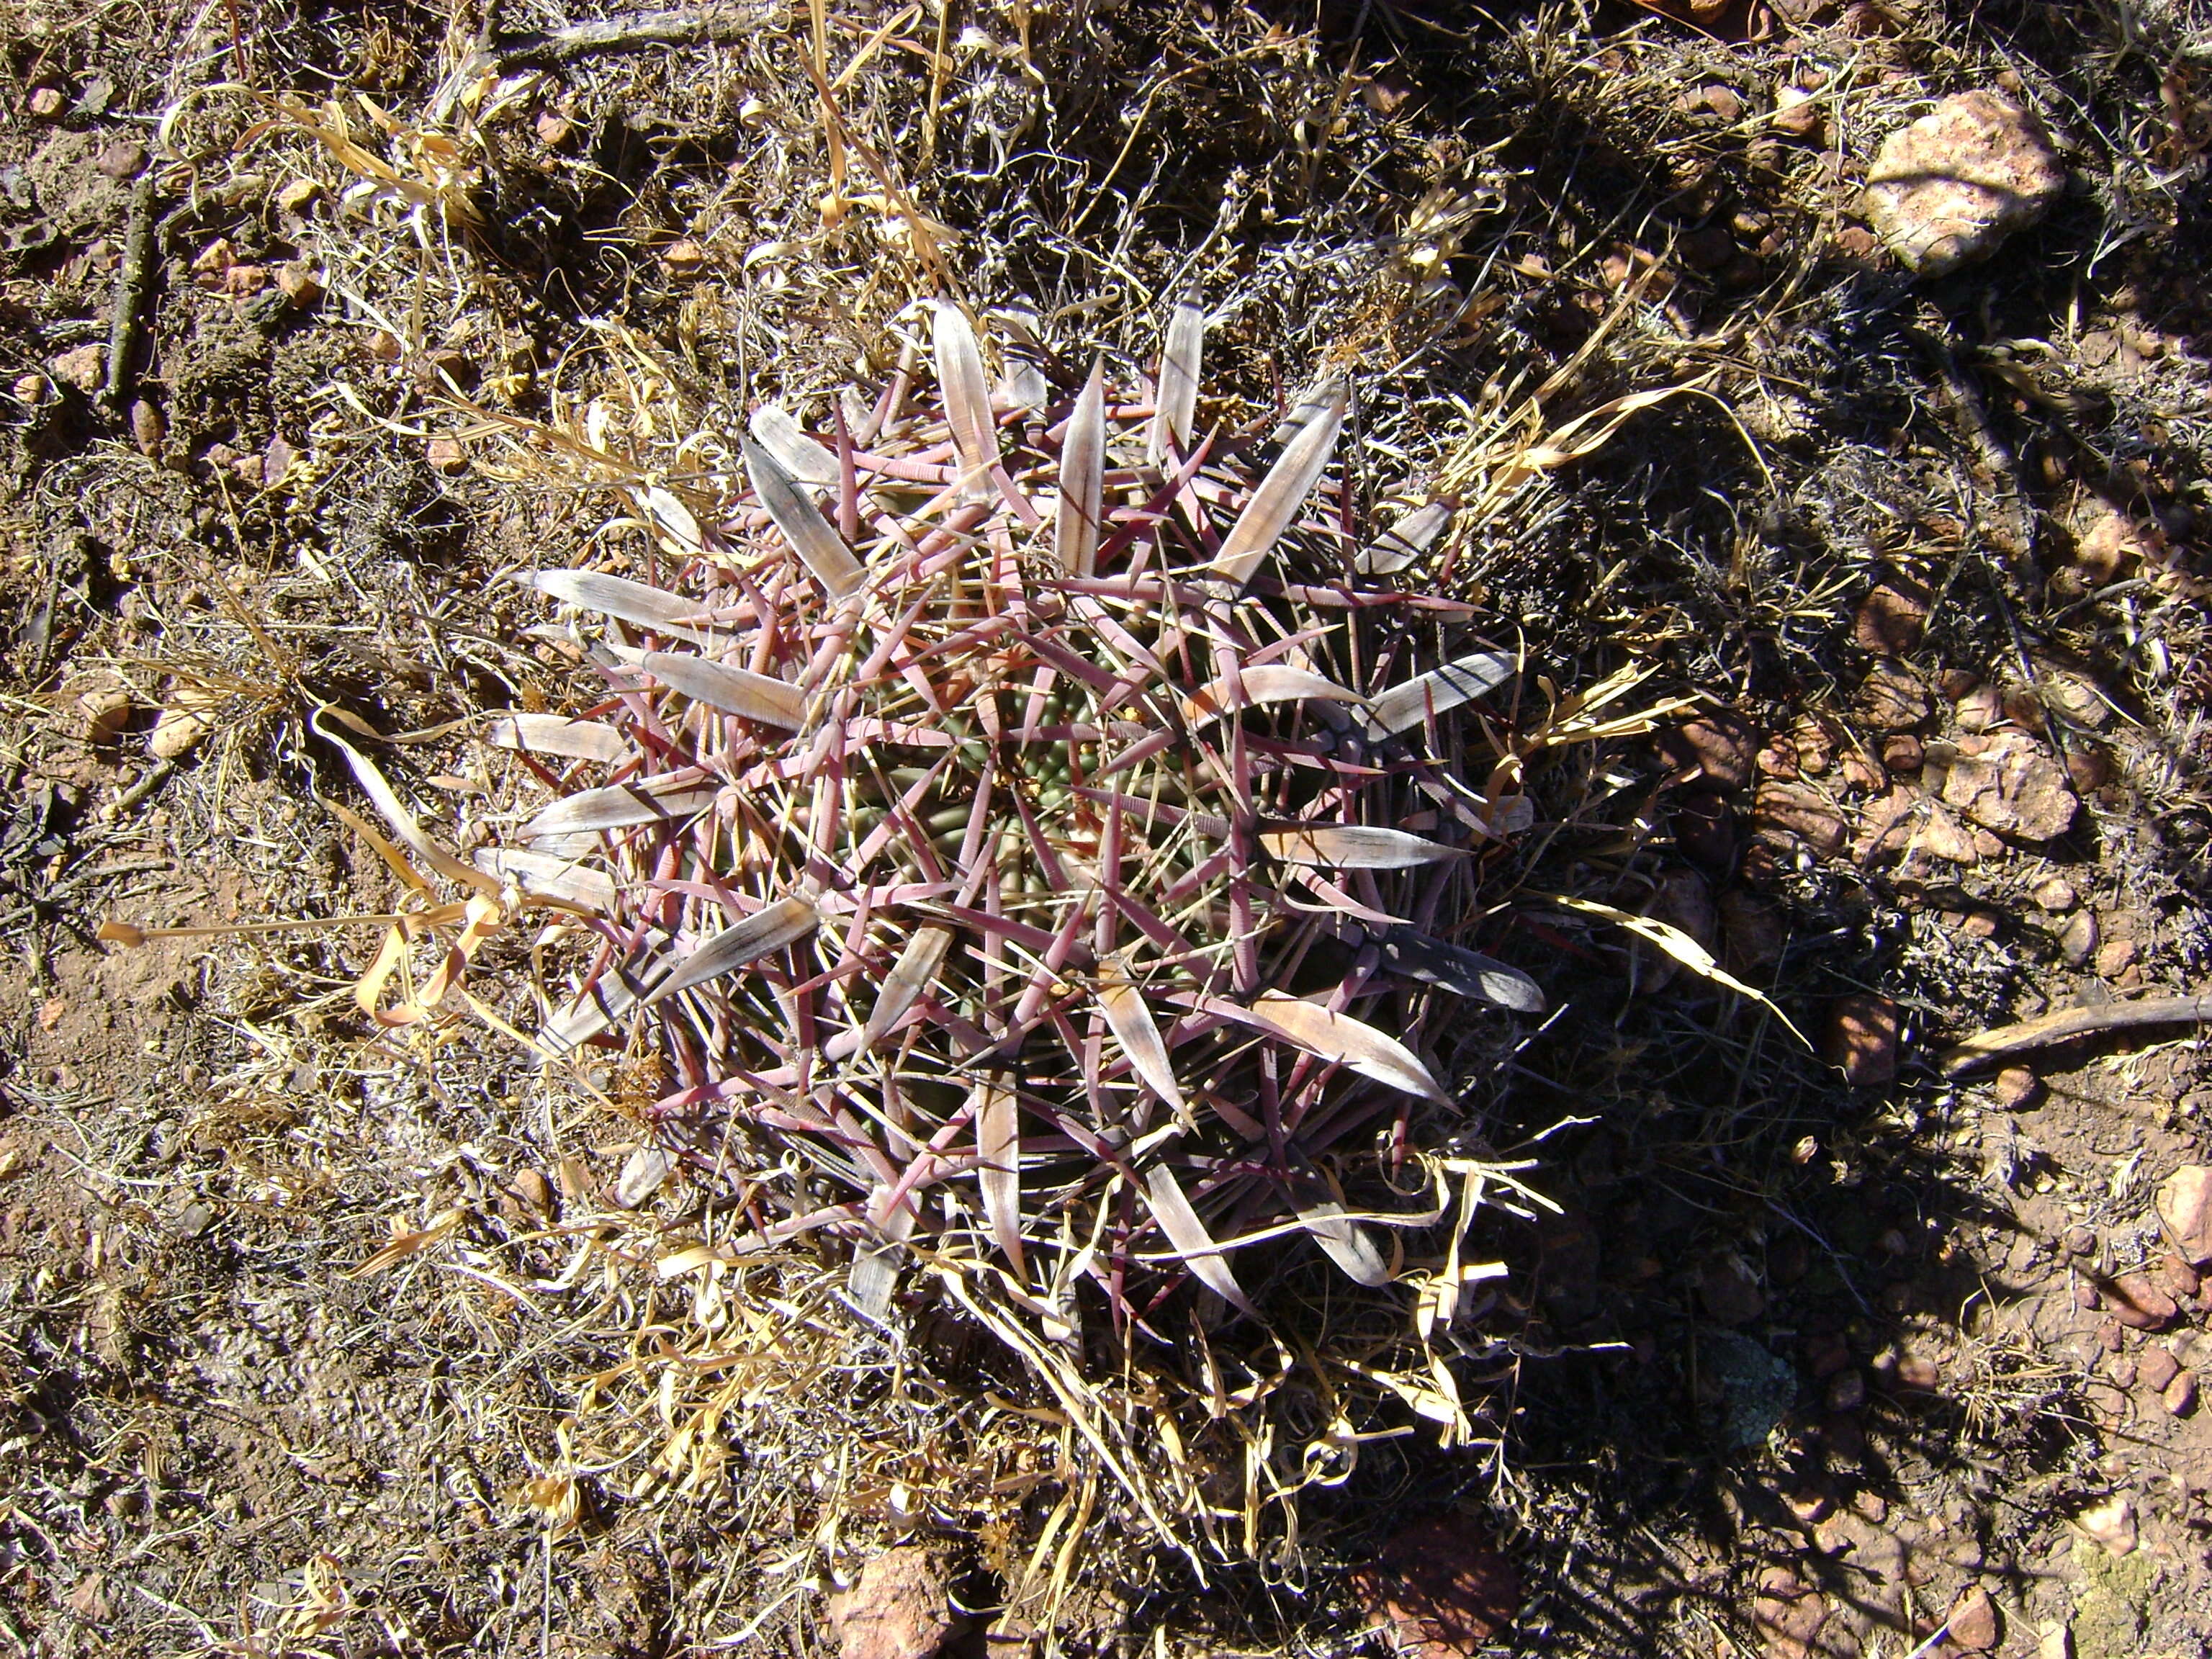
2080, 1240
1973, 1621
1847, 1391
2111, 1523
47, 102
2157, 1367
1917, 1374
2180, 1396
2055, 894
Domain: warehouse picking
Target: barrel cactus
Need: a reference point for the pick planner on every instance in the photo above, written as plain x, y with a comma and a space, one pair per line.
1022, 832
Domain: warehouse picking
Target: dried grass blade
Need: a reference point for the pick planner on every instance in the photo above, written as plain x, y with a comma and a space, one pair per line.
999, 1147
1337, 1038
967, 392
1684, 948
733, 690
1407, 540
623, 599
1355, 847
810, 535
1130, 1020
1181, 356
555, 734
544, 876
784, 922
1171, 1208
1281, 494
909, 977
394, 811
1346, 1242
1269, 682
808, 462
1468, 973
1462, 680
1082, 478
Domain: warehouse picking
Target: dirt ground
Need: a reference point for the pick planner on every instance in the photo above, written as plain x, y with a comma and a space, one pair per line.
317, 1337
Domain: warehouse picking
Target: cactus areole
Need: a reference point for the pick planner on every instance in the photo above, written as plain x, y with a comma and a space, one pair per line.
1030, 835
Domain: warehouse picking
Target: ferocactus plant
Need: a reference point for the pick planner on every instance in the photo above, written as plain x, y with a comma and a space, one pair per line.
1021, 834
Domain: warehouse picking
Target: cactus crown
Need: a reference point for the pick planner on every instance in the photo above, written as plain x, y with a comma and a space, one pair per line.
1021, 835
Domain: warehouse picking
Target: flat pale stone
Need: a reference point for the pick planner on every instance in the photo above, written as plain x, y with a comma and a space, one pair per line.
1946, 189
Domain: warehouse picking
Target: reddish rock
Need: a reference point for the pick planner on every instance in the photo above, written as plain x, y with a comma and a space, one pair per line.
1892, 697
1786, 1613
2138, 1303
1440, 1590
1892, 618
2185, 1208
1862, 1039
2088, 766
2057, 895
83, 366
1730, 1292
2016, 1087
2157, 1367
2005, 781
900, 1608
2177, 1278
2179, 1397
1973, 1621
1717, 746
1902, 752
1788, 807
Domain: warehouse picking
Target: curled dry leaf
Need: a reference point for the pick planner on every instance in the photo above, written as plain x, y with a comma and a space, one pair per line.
1281, 495
817, 543
1337, 1038
1130, 1020
1269, 682
545, 876
1171, 1208
967, 397
407, 1242
999, 1166
784, 922
1439, 691
635, 602
1347, 1241
909, 977
621, 806
733, 690
775, 430
555, 734
1405, 542
1684, 949
1082, 478
1355, 847
644, 1173
1182, 357
1467, 973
